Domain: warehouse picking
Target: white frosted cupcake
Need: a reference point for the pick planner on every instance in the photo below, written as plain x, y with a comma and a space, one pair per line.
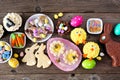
1, 31
12, 21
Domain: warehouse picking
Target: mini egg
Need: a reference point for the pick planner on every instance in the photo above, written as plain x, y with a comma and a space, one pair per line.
2, 43
7, 48
21, 54
55, 16
117, 30
76, 21
60, 14
88, 64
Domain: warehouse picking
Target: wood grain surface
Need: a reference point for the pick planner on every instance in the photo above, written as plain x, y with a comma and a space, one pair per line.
107, 10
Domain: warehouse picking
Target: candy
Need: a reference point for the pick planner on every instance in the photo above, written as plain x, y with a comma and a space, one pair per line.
21, 54
7, 52
55, 16
60, 14
17, 40
14, 63
7, 47
76, 21
117, 30
88, 64
99, 58
16, 55
0, 48
102, 54
34, 39
46, 21
2, 43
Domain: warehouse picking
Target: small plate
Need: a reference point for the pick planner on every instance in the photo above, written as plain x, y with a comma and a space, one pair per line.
33, 17
10, 52
94, 25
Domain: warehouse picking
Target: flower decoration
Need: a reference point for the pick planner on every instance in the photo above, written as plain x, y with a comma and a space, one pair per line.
70, 57
57, 48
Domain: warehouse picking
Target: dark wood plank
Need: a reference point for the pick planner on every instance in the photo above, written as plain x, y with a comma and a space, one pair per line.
103, 66
90, 6
61, 77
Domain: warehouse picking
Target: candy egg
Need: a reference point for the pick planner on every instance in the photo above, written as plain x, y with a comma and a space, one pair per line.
2, 43
55, 16
117, 30
60, 14
14, 63
88, 64
7, 48
76, 21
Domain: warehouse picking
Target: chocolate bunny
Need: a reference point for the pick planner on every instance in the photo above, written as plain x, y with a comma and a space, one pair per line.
112, 47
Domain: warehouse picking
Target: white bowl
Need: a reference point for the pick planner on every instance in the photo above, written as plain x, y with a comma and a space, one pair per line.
10, 54
33, 17
101, 25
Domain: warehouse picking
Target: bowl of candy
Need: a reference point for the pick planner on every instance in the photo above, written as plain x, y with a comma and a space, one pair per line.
5, 51
39, 27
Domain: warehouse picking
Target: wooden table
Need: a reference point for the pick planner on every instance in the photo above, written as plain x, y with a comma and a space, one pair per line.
107, 10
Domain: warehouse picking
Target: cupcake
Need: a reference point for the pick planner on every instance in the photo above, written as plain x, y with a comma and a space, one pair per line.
1, 31
12, 21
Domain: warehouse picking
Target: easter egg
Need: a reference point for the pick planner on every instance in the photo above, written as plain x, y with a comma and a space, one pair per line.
117, 30
14, 63
76, 21
88, 64
64, 54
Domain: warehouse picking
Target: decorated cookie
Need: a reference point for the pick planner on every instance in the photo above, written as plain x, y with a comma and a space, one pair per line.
78, 36
94, 26
5, 51
29, 58
1, 31
42, 59
62, 28
39, 28
18, 40
91, 50
12, 21
64, 54
76, 21
112, 46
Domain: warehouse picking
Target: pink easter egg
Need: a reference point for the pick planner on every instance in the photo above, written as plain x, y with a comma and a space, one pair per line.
76, 21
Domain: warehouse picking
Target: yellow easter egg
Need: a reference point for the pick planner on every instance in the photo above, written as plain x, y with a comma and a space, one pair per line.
2, 43
55, 16
34, 39
60, 14
16, 55
13, 62
7, 48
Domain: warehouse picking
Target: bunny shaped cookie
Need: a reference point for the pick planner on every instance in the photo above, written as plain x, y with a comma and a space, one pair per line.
42, 59
112, 46
29, 58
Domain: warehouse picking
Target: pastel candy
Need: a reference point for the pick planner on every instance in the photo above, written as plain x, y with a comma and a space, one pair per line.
7, 52
2, 43
5, 56
7, 48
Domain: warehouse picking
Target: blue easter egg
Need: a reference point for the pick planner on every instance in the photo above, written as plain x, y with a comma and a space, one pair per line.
117, 30
7, 52
4, 56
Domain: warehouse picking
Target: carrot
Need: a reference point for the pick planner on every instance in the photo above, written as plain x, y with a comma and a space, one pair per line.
21, 37
13, 42
18, 40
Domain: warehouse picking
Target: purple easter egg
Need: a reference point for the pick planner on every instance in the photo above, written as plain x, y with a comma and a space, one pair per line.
76, 21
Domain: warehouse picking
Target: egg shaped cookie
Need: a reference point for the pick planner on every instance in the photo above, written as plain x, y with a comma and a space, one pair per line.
78, 36
64, 54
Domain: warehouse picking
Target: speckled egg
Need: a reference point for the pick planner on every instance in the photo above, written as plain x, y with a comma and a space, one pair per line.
76, 21
117, 30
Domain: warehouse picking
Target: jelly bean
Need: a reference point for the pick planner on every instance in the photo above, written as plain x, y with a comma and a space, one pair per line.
2, 43
88, 64
55, 16
7, 48
99, 58
42, 35
117, 30
102, 54
21, 54
16, 55
60, 14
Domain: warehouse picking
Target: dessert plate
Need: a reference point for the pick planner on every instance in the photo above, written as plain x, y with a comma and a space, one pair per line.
64, 54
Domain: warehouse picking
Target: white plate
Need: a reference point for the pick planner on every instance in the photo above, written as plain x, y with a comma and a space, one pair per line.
10, 53
35, 16
101, 23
